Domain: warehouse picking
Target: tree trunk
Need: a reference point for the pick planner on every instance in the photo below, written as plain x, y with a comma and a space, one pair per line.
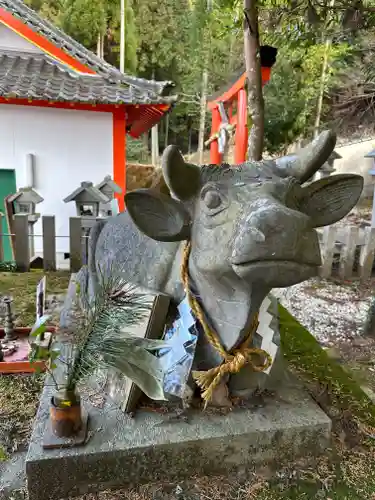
254, 80
155, 145
102, 46
202, 121
154, 140
122, 35
99, 45
145, 139
166, 138
323, 78
231, 50
319, 106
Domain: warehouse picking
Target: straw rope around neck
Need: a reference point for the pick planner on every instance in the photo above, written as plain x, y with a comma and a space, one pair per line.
233, 361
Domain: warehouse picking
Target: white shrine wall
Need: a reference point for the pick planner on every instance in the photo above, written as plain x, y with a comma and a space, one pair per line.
69, 147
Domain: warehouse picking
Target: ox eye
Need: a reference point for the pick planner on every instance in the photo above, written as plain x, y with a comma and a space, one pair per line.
212, 199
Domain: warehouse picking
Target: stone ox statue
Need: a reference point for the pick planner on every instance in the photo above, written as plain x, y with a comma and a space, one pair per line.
251, 228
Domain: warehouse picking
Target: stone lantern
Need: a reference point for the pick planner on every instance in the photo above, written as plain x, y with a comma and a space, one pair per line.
108, 187
88, 200
327, 169
372, 173
24, 203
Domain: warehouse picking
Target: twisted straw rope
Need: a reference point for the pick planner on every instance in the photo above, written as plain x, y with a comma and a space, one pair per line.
233, 361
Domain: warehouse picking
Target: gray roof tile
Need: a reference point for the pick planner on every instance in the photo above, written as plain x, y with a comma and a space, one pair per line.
21, 11
27, 195
107, 181
87, 187
39, 76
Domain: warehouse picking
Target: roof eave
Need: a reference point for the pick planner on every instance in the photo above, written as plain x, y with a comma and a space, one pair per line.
81, 54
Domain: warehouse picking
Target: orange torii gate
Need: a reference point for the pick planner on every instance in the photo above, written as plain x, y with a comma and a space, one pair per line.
222, 106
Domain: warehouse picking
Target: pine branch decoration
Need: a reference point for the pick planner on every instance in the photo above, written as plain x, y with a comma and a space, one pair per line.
102, 340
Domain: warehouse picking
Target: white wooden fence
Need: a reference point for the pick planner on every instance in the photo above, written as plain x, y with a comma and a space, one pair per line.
346, 252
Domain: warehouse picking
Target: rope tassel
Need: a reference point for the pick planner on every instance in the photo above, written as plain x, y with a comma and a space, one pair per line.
233, 362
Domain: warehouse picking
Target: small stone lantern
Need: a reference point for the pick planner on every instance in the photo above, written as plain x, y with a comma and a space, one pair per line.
327, 169
24, 202
372, 173
87, 199
108, 187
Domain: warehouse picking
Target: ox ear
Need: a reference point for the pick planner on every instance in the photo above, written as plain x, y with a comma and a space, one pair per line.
182, 179
158, 216
329, 199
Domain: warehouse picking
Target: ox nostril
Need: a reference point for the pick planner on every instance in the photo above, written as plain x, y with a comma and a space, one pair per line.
257, 235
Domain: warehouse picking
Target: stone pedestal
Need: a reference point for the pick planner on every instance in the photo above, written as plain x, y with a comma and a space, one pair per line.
122, 451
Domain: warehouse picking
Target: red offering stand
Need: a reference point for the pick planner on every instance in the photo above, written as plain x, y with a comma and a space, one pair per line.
18, 361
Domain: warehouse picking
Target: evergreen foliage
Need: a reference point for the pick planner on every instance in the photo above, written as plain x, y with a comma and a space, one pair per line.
101, 339
175, 39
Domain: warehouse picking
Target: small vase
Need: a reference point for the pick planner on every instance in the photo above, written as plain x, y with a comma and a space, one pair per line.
66, 414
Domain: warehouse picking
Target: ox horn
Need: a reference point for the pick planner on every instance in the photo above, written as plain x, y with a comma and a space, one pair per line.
182, 179
306, 162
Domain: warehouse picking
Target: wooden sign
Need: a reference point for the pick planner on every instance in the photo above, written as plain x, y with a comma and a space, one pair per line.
44, 339
122, 390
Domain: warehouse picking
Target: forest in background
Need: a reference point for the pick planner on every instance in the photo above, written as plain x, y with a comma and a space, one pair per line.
324, 75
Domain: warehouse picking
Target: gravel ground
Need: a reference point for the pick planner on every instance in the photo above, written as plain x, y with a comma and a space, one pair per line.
332, 311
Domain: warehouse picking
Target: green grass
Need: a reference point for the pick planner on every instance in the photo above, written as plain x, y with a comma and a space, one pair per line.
320, 372
3, 455
353, 476
19, 394
19, 398
22, 287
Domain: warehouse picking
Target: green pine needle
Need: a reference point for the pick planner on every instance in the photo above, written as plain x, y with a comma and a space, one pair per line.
102, 337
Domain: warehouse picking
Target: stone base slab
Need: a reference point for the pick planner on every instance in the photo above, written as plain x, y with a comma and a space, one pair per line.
123, 451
